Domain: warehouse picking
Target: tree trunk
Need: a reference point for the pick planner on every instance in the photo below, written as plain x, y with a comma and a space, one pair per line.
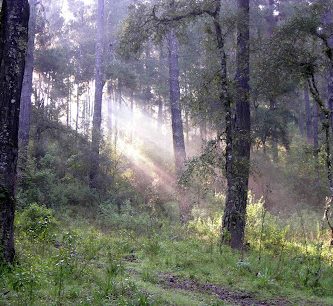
225, 99
148, 93
235, 211
316, 148
308, 114
203, 131
187, 127
160, 99
330, 92
160, 112
13, 45
99, 84
326, 123
25, 109
272, 21
176, 119
301, 121
110, 110
132, 116
316, 130
275, 150
77, 109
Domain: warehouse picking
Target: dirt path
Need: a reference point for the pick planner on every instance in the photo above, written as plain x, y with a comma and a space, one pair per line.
232, 297
170, 281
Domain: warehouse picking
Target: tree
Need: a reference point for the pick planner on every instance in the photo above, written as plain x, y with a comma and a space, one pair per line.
176, 116
238, 154
272, 22
99, 84
308, 115
25, 112
238, 173
13, 45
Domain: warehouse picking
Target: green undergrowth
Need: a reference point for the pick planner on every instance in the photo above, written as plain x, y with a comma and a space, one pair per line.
65, 262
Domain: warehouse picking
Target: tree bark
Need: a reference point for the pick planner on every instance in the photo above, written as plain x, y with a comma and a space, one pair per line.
308, 115
110, 109
315, 128
301, 121
132, 115
25, 109
13, 45
235, 212
330, 91
326, 124
77, 109
176, 119
272, 22
225, 99
99, 84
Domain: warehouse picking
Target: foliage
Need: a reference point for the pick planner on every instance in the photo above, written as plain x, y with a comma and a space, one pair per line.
37, 222
86, 265
127, 218
115, 244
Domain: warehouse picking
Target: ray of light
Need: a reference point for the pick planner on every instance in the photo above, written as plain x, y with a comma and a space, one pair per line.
145, 129
147, 166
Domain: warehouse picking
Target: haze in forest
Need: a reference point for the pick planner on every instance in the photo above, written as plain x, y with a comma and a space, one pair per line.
166, 152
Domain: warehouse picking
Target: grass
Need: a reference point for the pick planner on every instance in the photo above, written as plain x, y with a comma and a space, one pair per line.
76, 263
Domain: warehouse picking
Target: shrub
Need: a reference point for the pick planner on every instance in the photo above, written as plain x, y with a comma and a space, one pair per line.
127, 219
262, 228
37, 222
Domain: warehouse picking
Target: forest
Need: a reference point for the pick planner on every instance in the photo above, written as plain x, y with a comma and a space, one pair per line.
166, 152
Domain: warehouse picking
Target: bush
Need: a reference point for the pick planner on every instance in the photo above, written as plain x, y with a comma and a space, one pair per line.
262, 227
37, 222
127, 219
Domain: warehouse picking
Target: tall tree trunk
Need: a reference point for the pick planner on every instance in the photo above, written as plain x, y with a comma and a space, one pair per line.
328, 22
327, 121
275, 149
132, 115
99, 84
203, 131
225, 99
13, 45
148, 94
187, 127
308, 114
316, 139
110, 109
330, 92
301, 121
272, 22
84, 115
160, 111
315, 128
160, 99
69, 104
235, 211
176, 118
25, 109
77, 108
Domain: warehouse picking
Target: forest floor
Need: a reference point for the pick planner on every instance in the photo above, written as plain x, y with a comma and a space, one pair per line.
196, 293
78, 262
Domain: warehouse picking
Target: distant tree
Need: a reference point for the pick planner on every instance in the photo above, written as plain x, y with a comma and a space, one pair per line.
99, 84
13, 45
25, 112
176, 115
